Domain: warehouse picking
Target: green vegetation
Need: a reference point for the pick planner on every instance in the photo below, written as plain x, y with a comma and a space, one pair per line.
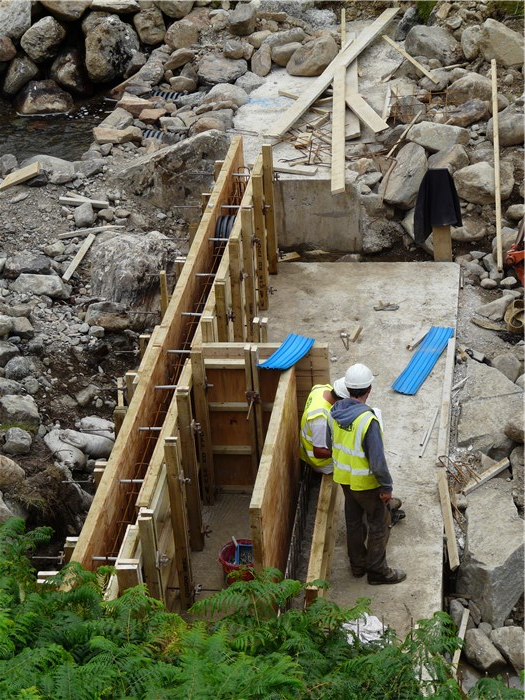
508, 8
62, 641
424, 8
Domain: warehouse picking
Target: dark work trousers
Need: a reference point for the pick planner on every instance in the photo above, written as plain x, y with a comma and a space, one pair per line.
367, 531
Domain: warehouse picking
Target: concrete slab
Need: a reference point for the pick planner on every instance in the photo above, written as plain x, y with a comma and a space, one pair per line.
320, 300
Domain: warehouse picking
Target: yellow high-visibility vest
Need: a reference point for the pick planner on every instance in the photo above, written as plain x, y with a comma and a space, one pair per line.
316, 406
351, 466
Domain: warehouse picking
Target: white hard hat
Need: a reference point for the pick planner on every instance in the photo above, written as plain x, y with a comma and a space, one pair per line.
340, 388
358, 377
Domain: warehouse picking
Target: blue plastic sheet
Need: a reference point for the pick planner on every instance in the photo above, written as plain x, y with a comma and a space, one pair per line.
423, 360
291, 350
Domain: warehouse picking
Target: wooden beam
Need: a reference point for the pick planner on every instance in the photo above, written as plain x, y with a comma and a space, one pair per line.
189, 465
21, 175
78, 199
497, 181
207, 471
221, 311
81, 253
352, 125
444, 419
413, 61
179, 522
257, 407
495, 469
269, 208
250, 416
365, 113
83, 232
442, 243
309, 96
338, 132
323, 517
448, 520
234, 251
295, 171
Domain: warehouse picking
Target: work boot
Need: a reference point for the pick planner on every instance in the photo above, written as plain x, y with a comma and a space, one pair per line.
391, 576
395, 503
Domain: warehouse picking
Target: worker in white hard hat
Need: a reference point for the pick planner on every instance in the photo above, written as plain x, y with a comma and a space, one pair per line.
355, 439
313, 449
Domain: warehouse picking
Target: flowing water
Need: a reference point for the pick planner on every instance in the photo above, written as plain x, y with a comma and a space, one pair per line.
65, 136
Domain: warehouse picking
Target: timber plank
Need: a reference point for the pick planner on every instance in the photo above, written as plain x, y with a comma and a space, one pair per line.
21, 175
365, 113
81, 254
338, 132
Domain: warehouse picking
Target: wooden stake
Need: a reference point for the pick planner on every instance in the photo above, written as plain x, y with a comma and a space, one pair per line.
148, 541
343, 28
448, 520
143, 343
250, 416
205, 447
234, 250
179, 522
461, 635
352, 125
260, 242
442, 243
250, 304
497, 182
189, 464
409, 58
221, 311
257, 405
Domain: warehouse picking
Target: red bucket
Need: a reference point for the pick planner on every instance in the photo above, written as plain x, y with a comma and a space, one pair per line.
227, 560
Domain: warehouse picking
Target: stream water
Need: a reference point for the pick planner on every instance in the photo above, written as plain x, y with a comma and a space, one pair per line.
65, 136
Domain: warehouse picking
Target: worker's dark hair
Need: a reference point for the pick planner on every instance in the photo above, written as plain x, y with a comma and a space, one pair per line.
356, 393
335, 396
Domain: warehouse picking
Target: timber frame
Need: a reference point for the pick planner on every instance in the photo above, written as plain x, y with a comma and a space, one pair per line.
202, 417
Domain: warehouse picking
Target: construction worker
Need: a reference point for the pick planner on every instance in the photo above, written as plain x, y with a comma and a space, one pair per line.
355, 439
320, 400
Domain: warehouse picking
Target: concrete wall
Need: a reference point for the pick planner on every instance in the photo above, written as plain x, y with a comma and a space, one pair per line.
308, 215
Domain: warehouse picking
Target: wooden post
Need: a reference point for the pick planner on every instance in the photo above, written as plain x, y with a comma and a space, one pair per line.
234, 249
497, 181
461, 635
205, 198
178, 265
264, 329
163, 293
207, 329
256, 332
207, 470
260, 243
69, 546
442, 242
269, 208
179, 522
250, 304
217, 169
131, 379
119, 413
343, 28
148, 541
257, 407
352, 123
189, 464
143, 343
98, 471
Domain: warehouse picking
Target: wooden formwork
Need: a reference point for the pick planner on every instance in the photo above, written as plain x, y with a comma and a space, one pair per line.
200, 410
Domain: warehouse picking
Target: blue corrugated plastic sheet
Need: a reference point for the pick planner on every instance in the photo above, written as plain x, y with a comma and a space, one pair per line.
291, 350
423, 361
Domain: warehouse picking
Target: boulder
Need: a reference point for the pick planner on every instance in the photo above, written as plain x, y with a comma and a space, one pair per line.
261, 63
160, 178
121, 7
11, 473
214, 68
57, 170
470, 41
109, 47
7, 49
499, 42
491, 570
176, 9
437, 137
453, 158
518, 475
7, 351
295, 34
21, 70
16, 442
19, 368
282, 54
489, 401
475, 183
481, 653
249, 82
109, 315
49, 285
243, 19
514, 427
149, 24
509, 641
20, 411
469, 112
120, 117
27, 262
43, 97
405, 178
69, 72
15, 17
106, 135
84, 215
182, 34
6, 326
42, 40
233, 49
69, 10
179, 58
510, 125
225, 91
313, 57
473, 229
473, 86
433, 42
509, 365
9, 163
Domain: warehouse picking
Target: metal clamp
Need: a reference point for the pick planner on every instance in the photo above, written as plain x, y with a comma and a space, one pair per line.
196, 427
251, 398
161, 560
